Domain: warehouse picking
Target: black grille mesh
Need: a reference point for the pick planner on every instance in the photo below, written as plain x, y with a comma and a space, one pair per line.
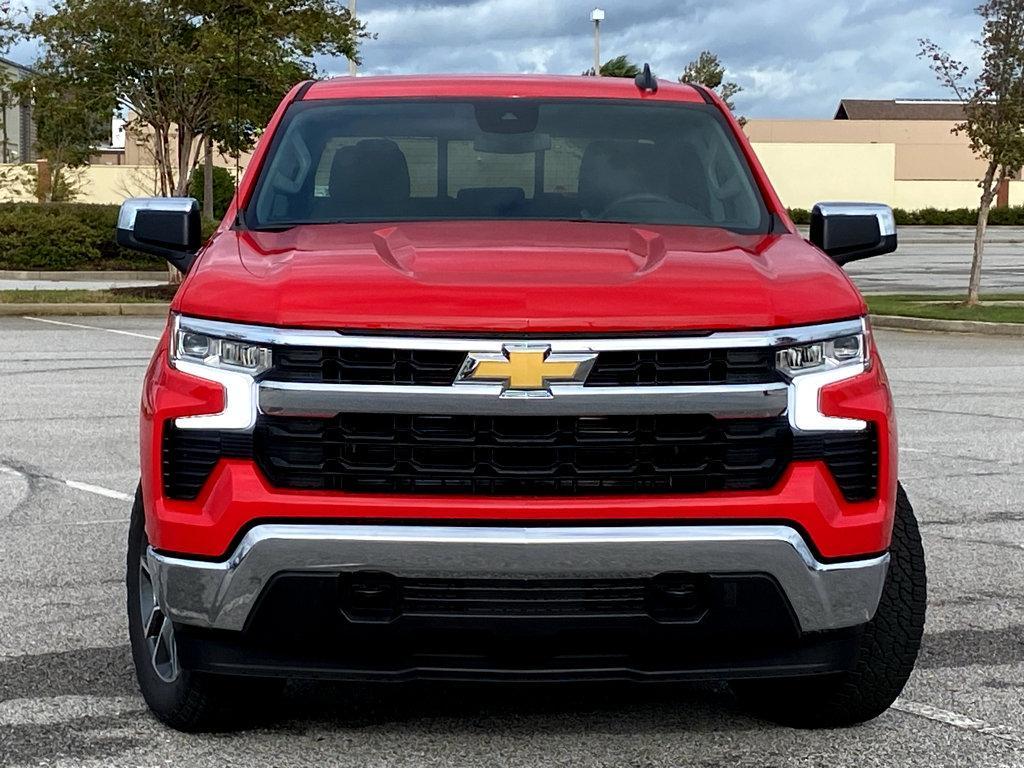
683, 367
189, 457
535, 456
416, 454
350, 365
852, 458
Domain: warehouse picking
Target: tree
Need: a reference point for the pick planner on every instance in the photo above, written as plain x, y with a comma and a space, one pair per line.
620, 66
10, 30
993, 107
176, 65
707, 70
70, 122
223, 183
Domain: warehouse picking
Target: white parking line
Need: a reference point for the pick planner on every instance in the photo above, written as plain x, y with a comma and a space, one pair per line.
958, 720
90, 328
101, 491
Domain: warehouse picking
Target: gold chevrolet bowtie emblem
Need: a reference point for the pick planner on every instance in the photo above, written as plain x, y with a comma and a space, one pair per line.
526, 369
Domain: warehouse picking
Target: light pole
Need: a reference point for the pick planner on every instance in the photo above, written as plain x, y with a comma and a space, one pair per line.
597, 16
352, 69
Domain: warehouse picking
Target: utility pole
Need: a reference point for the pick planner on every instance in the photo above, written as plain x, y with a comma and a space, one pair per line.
352, 69
597, 16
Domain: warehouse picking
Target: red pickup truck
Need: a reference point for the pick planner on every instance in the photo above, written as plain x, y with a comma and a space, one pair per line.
518, 378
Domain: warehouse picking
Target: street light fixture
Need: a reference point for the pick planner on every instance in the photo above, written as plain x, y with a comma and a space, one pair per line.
353, 70
597, 16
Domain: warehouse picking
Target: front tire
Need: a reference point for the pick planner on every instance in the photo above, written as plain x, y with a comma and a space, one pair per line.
886, 653
182, 699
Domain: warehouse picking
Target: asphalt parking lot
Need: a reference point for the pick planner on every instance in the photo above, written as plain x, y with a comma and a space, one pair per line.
68, 465
937, 260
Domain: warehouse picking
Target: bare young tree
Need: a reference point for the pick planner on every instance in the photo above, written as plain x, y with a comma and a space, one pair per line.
993, 107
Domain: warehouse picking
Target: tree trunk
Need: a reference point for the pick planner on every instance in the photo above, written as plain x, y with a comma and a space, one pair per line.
160, 156
208, 178
989, 185
186, 142
3, 111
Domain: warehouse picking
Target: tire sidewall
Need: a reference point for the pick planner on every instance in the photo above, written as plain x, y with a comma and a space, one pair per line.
162, 697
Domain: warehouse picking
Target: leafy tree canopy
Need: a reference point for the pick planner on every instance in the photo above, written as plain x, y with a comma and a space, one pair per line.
193, 68
223, 189
707, 70
620, 66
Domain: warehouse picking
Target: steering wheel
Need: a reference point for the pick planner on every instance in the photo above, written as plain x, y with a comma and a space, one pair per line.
651, 198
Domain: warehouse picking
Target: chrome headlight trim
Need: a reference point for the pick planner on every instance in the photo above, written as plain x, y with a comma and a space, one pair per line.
239, 384
805, 385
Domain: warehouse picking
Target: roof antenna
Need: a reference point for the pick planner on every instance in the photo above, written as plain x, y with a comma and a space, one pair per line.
645, 81
238, 123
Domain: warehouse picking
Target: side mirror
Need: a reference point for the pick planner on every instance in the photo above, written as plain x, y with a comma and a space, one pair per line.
166, 227
851, 231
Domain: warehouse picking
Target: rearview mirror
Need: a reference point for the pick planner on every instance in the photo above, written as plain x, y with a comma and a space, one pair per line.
851, 231
166, 227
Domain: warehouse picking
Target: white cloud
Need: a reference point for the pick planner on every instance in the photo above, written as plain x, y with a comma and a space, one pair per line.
794, 58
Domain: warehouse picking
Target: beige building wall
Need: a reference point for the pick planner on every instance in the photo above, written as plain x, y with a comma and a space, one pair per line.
96, 184
925, 149
138, 150
911, 195
804, 174
1017, 193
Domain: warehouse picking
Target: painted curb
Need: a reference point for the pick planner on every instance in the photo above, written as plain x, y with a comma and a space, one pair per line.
948, 326
154, 309
84, 275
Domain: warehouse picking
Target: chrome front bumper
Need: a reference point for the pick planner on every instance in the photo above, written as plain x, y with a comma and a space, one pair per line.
222, 594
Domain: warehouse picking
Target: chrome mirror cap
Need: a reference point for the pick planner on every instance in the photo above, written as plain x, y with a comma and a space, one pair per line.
131, 207
169, 228
851, 231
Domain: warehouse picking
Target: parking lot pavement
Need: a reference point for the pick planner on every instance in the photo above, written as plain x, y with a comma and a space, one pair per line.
72, 285
937, 260
68, 403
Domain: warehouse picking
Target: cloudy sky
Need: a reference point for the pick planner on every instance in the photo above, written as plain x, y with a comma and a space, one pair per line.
794, 58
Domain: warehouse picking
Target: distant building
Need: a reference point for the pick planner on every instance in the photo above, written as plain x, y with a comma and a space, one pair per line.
112, 152
898, 151
900, 109
922, 132
17, 129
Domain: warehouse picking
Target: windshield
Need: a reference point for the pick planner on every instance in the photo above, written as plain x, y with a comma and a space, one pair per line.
591, 160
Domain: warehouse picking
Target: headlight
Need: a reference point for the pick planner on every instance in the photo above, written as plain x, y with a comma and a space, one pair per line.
825, 355
193, 346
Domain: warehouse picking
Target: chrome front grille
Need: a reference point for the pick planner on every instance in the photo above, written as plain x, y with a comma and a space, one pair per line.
351, 413
613, 368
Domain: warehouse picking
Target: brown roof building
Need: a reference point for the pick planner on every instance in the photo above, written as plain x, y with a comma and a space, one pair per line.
899, 109
926, 148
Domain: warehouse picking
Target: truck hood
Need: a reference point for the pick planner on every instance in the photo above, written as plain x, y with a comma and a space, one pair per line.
516, 276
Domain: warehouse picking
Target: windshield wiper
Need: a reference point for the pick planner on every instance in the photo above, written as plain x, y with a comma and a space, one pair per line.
285, 226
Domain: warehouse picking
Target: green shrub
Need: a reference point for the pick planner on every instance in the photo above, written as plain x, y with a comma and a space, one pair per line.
223, 189
32, 241
938, 217
1013, 215
68, 236
64, 236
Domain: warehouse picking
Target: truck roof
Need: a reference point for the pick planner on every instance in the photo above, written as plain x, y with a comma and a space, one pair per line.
501, 86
